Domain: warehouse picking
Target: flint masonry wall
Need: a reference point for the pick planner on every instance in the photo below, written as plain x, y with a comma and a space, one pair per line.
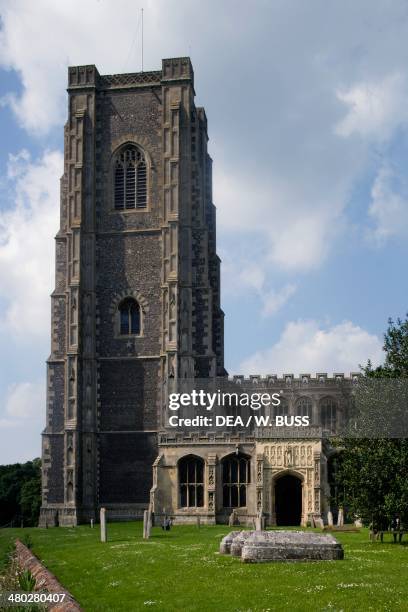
106, 393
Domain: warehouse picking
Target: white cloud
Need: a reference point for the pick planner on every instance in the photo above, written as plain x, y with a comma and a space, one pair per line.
289, 165
40, 39
305, 346
9, 423
243, 277
275, 300
240, 275
26, 244
291, 224
389, 205
25, 400
22, 421
375, 108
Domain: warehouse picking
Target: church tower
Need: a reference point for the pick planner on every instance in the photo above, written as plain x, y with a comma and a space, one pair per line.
137, 285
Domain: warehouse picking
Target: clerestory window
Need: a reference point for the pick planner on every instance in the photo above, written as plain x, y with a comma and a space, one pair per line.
328, 414
304, 407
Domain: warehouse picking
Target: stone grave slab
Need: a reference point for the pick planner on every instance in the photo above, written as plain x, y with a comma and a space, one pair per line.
266, 546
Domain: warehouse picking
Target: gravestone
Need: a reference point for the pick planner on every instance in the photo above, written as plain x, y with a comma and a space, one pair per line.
340, 518
238, 542
290, 546
330, 518
225, 546
233, 519
264, 546
147, 524
312, 521
102, 516
259, 522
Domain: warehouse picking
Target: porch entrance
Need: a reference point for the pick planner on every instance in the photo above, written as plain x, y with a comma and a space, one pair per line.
288, 500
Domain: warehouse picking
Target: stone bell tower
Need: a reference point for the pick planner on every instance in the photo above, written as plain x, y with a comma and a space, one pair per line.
137, 285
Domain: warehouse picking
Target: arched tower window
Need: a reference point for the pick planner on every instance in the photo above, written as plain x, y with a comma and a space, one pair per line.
304, 407
130, 179
282, 409
191, 482
236, 475
129, 313
328, 413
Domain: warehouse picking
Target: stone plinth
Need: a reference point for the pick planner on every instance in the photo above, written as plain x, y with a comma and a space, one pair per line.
264, 546
225, 546
238, 542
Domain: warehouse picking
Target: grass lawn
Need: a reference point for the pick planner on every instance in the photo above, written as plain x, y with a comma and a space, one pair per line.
182, 570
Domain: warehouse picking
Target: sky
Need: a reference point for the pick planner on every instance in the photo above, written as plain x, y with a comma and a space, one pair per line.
307, 105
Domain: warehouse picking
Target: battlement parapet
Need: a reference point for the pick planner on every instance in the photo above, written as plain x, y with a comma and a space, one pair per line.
173, 69
290, 379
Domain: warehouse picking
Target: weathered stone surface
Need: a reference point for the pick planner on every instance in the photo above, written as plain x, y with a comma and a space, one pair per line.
238, 542
225, 546
102, 515
263, 546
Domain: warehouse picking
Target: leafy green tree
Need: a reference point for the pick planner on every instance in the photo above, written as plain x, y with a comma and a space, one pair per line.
372, 473
20, 492
30, 501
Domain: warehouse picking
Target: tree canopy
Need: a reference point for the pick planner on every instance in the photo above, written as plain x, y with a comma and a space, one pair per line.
373, 470
20, 493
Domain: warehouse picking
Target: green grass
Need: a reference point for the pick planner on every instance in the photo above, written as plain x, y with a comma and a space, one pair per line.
182, 570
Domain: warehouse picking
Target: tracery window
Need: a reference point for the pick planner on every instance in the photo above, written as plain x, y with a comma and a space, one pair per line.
191, 482
282, 409
129, 313
328, 413
236, 476
304, 407
130, 179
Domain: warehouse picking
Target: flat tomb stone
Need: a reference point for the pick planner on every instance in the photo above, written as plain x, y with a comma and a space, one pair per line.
238, 542
225, 546
264, 546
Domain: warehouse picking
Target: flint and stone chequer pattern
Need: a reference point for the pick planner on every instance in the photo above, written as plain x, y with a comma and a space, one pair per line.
106, 392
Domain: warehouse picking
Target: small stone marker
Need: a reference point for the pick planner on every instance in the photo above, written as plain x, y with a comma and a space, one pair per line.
259, 522
147, 524
103, 524
319, 522
330, 518
225, 546
91, 523
340, 518
233, 519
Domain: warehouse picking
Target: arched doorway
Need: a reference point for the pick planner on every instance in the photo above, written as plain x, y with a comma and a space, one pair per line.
288, 500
